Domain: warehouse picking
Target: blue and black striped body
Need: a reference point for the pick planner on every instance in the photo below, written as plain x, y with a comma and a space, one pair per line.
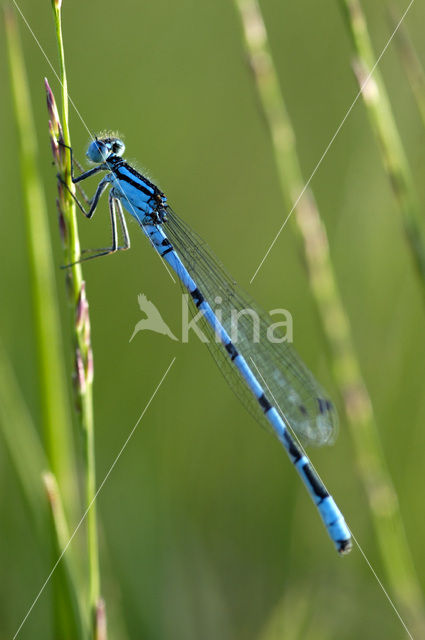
138, 195
145, 202
329, 512
269, 378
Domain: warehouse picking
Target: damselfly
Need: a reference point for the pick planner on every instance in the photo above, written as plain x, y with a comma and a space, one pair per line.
268, 377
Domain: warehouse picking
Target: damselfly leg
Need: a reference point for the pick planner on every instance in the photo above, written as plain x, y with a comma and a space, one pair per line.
114, 208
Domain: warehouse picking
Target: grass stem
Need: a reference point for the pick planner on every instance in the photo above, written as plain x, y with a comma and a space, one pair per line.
384, 125
26, 450
51, 378
412, 65
383, 503
82, 343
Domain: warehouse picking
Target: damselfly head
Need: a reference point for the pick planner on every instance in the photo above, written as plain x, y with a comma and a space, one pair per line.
102, 148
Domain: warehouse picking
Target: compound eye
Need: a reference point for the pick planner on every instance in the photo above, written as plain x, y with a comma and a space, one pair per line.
98, 151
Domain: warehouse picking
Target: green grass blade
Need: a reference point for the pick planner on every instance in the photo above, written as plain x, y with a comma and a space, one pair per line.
30, 464
384, 125
53, 392
57, 426
82, 341
309, 227
23, 443
412, 65
68, 605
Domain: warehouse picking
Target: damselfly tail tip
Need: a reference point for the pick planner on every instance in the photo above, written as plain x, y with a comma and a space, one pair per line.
344, 546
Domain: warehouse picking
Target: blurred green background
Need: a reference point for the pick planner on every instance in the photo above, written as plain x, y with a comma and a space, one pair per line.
206, 531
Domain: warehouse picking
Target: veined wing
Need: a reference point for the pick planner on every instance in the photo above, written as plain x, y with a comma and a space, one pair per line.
288, 383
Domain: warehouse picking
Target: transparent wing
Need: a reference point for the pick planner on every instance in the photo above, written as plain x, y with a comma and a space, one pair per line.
300, 399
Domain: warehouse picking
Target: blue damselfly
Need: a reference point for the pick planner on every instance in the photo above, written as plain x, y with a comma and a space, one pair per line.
269, 378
